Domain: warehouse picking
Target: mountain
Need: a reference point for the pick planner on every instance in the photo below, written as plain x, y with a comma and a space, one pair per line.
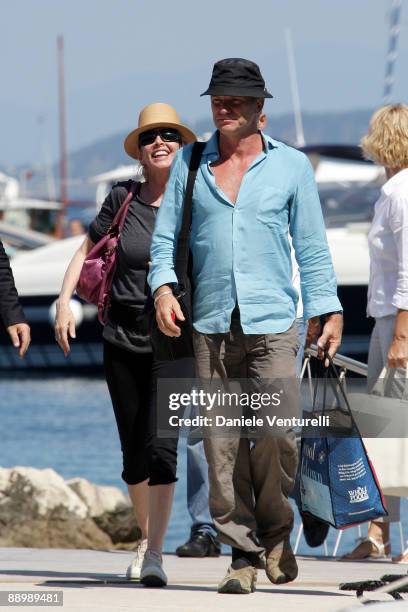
346, 127
330, 127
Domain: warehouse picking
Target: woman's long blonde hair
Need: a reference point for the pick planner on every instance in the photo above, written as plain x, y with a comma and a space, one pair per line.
386, 141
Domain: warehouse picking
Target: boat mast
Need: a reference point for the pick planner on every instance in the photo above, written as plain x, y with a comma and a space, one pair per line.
63, 165
395, 18
300, 136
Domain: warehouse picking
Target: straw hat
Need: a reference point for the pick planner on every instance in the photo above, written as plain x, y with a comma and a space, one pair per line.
155, 116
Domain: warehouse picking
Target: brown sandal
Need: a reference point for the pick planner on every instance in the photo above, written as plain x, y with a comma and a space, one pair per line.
367, 548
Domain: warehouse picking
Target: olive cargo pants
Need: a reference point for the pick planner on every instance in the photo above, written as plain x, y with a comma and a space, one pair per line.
250, 479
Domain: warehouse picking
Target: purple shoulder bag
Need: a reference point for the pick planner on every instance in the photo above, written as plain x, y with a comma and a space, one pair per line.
95, 281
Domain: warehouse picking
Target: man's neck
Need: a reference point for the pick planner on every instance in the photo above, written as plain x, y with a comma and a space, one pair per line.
240, 146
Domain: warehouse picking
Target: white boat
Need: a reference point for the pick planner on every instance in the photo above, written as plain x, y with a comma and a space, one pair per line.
106, 180
24, 212
16, 239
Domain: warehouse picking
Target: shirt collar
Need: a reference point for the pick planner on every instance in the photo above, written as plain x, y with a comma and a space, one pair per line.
395, 181
271, 143
211, 148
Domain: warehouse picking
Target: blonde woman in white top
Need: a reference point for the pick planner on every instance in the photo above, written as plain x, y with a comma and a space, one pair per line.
387, 144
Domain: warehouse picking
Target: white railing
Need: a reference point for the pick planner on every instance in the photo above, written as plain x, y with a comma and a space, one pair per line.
343, 362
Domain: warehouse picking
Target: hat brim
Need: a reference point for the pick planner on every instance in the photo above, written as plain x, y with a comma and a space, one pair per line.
231, 90
131, 143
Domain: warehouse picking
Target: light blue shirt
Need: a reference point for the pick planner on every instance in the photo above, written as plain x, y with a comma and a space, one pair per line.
241, 253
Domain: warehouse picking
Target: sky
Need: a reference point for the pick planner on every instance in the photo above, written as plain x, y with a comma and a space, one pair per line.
123, 54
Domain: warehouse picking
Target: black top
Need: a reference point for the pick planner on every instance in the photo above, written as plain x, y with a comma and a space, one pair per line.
10, 309
129, 287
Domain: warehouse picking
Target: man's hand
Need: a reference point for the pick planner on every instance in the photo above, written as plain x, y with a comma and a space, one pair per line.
314, 329
20, 337
330, 339
167, 310
398, 353
64, 326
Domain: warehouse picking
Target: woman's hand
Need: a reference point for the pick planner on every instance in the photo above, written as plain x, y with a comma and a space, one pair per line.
64, 318
398, 353
64, 326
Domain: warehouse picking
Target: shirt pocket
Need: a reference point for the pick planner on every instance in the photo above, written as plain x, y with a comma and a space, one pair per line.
273, 209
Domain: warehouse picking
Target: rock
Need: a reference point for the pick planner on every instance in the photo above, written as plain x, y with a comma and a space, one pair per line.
39, 509
32, 493
121, 526
55, 533
110, 509
98, 499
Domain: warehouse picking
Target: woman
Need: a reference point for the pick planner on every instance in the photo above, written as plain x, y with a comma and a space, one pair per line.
149, 462
387, 144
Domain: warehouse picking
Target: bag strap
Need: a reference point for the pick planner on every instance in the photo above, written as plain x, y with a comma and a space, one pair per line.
340, 386
119, 218
183, 242
330, 374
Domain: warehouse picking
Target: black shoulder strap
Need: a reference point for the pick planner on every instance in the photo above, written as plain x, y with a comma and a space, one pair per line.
133, 186
183, 243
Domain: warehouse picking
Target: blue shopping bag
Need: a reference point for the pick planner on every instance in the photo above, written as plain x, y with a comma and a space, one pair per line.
338, 483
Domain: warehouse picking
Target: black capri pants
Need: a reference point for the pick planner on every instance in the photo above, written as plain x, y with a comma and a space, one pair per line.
132, 382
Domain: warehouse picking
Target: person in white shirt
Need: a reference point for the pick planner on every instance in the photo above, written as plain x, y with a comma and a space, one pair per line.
387, 144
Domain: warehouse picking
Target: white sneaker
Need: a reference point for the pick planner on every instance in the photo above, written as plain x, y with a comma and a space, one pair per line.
133, 571
152, 573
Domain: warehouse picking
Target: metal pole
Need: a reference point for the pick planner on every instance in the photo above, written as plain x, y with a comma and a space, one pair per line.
62, 139
392, 50
300, 136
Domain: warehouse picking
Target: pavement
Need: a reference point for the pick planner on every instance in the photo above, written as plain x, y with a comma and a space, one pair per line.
94, 580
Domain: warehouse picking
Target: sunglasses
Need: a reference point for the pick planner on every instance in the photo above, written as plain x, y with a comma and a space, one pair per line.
166, 134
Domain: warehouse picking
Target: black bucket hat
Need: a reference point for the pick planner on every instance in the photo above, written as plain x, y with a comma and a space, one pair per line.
235, 76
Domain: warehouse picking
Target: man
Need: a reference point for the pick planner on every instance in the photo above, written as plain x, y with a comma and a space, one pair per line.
249, 191
11, 313
201, 542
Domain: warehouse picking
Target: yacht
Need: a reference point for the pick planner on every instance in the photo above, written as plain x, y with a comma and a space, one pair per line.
26, 213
